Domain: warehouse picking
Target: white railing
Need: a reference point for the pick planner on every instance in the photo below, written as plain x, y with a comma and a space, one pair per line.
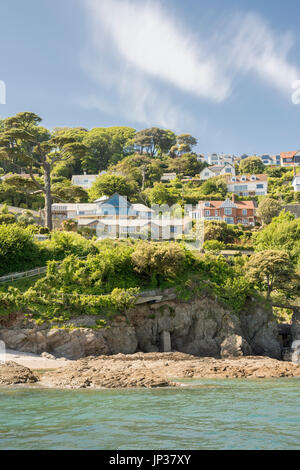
30, 273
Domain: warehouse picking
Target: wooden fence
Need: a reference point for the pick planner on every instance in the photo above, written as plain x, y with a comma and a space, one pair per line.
31, 273
15, 276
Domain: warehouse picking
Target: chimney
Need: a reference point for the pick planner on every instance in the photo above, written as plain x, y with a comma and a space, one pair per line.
233, 197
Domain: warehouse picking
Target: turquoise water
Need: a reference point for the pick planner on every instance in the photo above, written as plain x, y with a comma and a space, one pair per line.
219, 414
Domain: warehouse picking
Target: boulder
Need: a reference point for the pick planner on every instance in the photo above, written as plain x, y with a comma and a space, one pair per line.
235, 346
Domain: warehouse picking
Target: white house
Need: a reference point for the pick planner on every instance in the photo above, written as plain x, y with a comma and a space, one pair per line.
247, 185
85, 181
296, 182
217, 170
115, 216
219, 159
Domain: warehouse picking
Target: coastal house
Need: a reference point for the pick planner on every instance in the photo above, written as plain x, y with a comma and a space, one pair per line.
115, 216
266, 159
219, 159
247, 185
290, 159
217, 170
85, 181
229, 211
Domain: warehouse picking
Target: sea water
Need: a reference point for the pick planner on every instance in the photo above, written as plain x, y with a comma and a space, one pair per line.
203, 414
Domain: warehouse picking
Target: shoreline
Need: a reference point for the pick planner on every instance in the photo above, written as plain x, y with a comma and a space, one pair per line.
139, 370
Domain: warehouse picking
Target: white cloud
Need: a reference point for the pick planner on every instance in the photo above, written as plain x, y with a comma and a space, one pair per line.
255, 47
141, 55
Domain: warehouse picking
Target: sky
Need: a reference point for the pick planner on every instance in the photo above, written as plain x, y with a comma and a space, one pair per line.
222, 70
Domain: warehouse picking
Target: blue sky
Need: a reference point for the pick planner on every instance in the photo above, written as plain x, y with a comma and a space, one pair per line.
221, 69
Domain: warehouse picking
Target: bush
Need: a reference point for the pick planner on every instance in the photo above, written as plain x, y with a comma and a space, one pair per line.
6, 219
213, 245
63, 244
18, 250
156, 261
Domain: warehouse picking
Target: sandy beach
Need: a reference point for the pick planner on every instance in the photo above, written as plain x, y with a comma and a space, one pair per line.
34, 361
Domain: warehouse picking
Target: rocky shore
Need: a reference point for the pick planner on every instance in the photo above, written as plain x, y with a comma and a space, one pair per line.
145, 370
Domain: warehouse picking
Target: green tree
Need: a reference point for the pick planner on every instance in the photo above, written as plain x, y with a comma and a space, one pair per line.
156, 261
271, 270
252, 165
186, 165
24, 140
154, 140
184, 144
18, 251
220, 231
107, 185
267, 209
161, 194
143, 169
65, 191
106, 146
283, 233
214, 185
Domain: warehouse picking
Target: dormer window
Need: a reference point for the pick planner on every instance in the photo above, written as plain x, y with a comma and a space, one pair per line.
243, 178
253, 178
233, 178
207, 204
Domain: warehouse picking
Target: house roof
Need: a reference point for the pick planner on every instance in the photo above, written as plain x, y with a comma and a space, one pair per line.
220, 204
285, 155
238, 178
141, 208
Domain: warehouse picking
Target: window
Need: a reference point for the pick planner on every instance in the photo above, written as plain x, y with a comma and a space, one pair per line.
206, 204
207, 213
228, 211
244, 211
229, 220
243, 178
253, 177
259, 186
245, 221
233, 178
227, 170
216, 213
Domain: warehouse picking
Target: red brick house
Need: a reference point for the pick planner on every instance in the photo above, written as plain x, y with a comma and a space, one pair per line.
230, 211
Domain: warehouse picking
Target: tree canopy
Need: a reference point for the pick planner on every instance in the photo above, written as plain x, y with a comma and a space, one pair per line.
252, 165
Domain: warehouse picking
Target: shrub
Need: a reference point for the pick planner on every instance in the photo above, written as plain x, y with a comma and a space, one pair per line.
63, 244
156, 261
214, 245
18, 250
6, 219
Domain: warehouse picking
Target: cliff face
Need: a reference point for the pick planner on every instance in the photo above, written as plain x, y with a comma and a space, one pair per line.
201, 327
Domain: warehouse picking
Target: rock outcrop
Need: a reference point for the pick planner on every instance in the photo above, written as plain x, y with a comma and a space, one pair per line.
13, 374
160, 369
146, 370
201, 327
